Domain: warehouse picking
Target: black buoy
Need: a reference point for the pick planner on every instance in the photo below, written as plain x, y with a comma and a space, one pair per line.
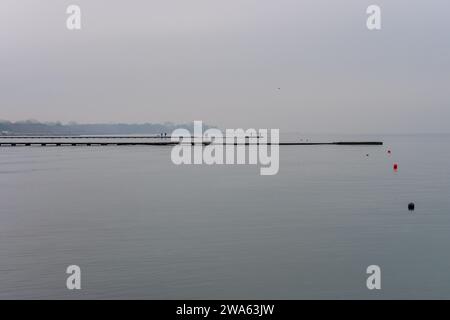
411, 206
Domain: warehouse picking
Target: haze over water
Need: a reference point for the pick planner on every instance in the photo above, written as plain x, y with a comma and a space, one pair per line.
141, 227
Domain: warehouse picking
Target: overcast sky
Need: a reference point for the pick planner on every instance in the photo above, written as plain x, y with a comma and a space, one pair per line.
222, 61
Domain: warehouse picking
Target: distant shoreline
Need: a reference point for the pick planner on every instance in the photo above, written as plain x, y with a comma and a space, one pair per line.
33, 128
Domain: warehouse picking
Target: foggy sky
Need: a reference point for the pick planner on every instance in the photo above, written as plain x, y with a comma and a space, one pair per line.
222, 62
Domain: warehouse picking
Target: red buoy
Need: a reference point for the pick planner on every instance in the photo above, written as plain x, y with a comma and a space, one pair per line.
395, 166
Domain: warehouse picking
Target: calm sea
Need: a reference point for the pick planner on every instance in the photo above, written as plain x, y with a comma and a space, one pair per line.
141, 227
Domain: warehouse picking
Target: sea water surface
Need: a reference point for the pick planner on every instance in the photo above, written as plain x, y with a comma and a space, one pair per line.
141, 227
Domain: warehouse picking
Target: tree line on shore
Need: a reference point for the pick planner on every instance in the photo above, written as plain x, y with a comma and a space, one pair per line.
56, 128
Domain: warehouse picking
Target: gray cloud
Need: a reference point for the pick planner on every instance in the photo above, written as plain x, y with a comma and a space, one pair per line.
223, 61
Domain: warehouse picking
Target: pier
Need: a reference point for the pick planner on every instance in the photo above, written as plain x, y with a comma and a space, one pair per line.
77, 141
78, 144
